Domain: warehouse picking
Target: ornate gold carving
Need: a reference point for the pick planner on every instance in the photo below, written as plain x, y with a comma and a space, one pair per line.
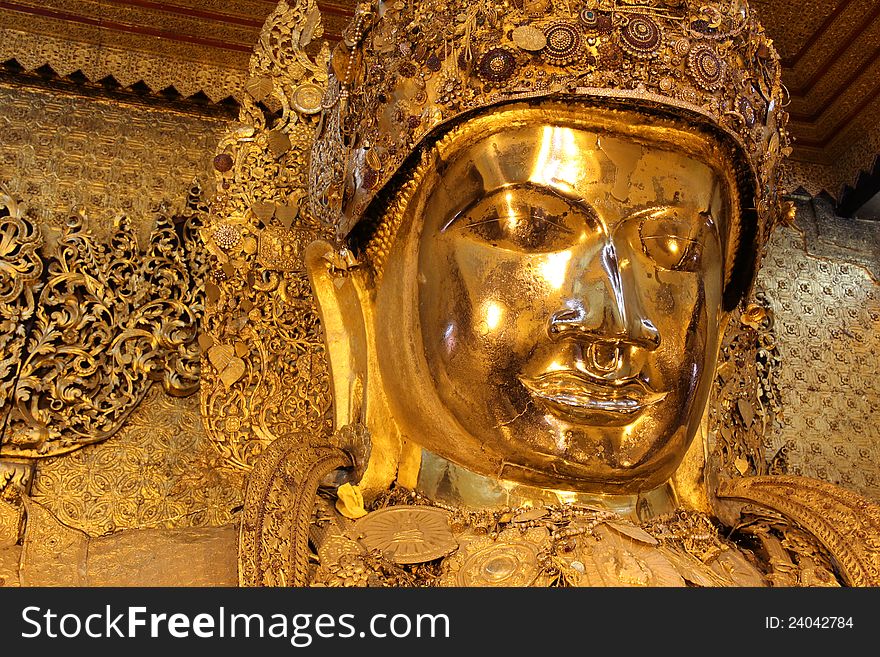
509, 560
20, 282
56, 555
746, 402
403, 72
158, 471
260, 302
109, 320
847, 524
279, 508
189, 65
570, 545
60, 151
15, 481
9, 566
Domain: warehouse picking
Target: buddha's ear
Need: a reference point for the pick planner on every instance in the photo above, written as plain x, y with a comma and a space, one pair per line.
340, 296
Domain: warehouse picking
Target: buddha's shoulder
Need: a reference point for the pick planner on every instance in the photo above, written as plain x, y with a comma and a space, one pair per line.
846, 524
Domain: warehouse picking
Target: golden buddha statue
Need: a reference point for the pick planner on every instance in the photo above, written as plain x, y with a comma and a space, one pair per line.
540, 217
545, 214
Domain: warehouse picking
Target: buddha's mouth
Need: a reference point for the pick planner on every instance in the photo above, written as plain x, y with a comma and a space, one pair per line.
572, 394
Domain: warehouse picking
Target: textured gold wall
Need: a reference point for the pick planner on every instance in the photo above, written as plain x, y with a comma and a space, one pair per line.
159, 471
827, 311
58, 151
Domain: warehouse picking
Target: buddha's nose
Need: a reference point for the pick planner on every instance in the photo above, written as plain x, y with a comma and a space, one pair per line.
604, 306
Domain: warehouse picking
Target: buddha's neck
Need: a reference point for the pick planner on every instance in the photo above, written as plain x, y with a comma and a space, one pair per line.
443, 481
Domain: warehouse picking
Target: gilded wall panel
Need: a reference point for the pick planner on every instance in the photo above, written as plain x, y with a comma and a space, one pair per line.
60, 151
827, 321
158, 471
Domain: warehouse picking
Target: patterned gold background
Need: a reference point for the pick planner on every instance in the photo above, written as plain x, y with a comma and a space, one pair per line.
827, 313
158, 471
58, 151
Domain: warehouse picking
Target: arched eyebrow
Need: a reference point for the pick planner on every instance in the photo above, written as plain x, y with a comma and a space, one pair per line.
544, 219
574, 201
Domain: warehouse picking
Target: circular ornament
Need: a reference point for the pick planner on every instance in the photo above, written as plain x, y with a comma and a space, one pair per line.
706, 67
408, 534
307, 98
407, 69
373, 159
227, 237
223, 162
689, 95
497, 65
529, 38
503, 563
681, 47
563, 43
433, 63
641, 37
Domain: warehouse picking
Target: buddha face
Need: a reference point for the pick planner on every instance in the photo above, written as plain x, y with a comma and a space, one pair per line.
549, 313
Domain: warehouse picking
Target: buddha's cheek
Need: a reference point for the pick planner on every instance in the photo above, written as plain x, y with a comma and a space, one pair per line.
482, 319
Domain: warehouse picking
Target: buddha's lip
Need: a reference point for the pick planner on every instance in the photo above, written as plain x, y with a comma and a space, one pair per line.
571, 392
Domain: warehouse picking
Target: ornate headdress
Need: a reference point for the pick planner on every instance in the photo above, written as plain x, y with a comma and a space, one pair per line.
407, 70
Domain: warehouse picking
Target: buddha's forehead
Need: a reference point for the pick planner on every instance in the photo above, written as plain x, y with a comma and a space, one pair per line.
614, 171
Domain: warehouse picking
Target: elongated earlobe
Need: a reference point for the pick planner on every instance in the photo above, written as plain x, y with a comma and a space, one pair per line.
339, 305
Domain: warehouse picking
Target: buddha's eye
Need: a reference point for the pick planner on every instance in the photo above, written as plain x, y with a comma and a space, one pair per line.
523, 219
674, 242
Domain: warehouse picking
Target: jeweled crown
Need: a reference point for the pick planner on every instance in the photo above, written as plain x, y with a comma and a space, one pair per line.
407, 69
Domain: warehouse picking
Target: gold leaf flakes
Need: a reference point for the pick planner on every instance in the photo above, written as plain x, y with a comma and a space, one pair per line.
313, 22
286, 214
279, 143
212, 291
350, 502
633, 532
220, 355
206, 341
264, 211
233, 372
746, 411
259, 88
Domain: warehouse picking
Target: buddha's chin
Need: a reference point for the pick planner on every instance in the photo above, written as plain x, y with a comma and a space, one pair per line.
578, 470
569, 477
